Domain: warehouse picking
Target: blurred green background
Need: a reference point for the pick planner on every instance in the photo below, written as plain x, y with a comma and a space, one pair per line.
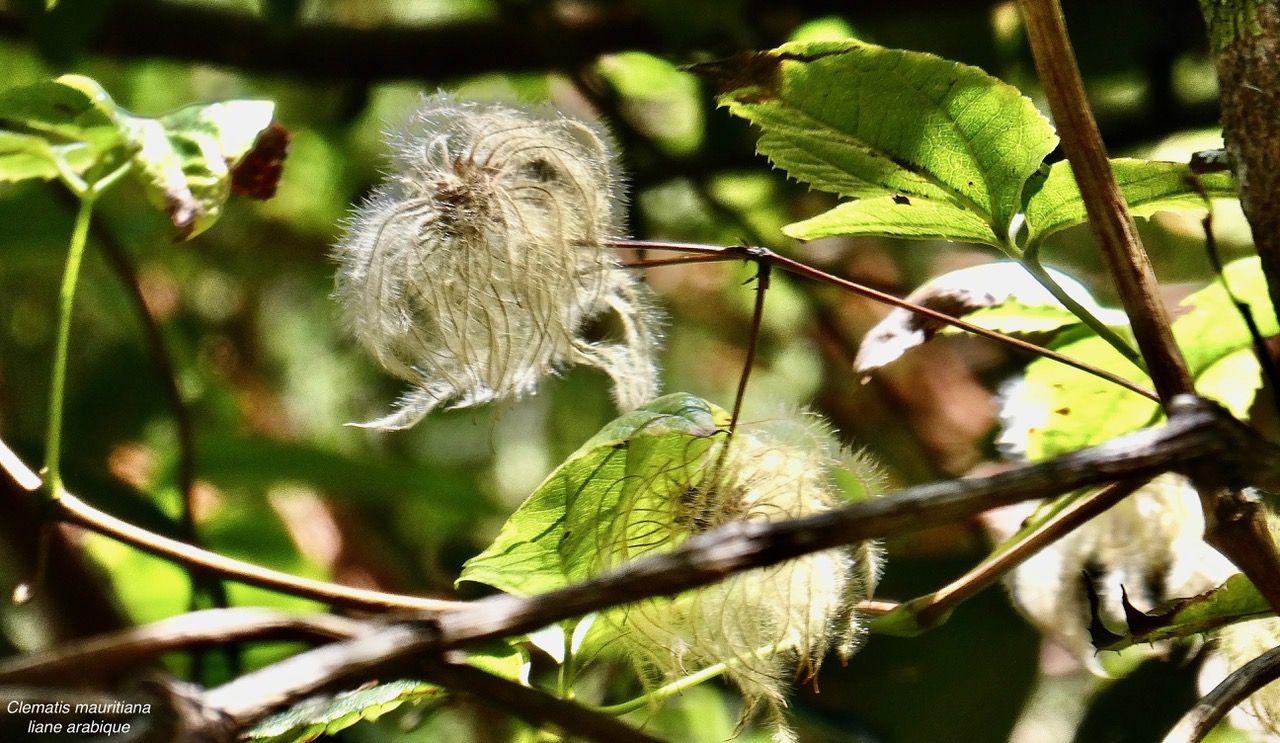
268, 377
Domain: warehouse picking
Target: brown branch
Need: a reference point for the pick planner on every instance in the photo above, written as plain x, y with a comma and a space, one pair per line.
75, 511
104, 657
932, 609
1234, 524
1197, 723
253, 696
72, 510
1197, 432
1109, 217
763, 270
162, 361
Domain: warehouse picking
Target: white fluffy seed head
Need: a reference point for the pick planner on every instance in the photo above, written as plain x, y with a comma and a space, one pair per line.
765, 624
472, 271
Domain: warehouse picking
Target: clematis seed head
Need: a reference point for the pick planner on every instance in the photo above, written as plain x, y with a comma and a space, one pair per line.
474, 269
765, 625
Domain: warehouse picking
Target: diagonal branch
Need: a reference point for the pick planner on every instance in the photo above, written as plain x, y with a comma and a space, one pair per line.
1235, 524
1196, 724
1198, 432
766, 256
1198, 435
1109, 217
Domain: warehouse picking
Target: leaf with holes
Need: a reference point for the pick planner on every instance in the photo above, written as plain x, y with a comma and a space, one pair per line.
926, 147
70, 127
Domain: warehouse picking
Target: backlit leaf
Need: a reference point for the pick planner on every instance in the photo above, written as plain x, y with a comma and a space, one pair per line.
873, 123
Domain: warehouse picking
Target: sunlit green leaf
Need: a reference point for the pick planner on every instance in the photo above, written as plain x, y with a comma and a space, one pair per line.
1002, 296
902, 123
641, 460
1233, 381
327, 715
1149, 186
1079, 409
183, 159
313, 718
896, 215
1015, 318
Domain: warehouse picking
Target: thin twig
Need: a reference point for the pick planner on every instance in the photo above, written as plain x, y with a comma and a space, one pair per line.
932, 609
166, 370
1198, 433
662, 262
763, 269
1200, 720
75, 511
1109, 217
72, 510
801, 269
104, 657
252, 696
1260, 350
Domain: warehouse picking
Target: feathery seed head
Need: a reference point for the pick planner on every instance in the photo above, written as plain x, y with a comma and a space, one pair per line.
765, 624
472, 271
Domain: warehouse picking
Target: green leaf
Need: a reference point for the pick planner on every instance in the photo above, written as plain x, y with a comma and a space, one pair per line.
182, 159
895, 215
1075, 409
868, 122
1001, 296
1236, 600
1233, 381
1016, 318
1078, 409
312, 718
1148, 186
327, 715
1214, 327
65, 118
644, 459
185, 157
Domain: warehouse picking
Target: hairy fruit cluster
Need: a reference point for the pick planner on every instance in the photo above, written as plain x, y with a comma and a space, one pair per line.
474, 269
764, 625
